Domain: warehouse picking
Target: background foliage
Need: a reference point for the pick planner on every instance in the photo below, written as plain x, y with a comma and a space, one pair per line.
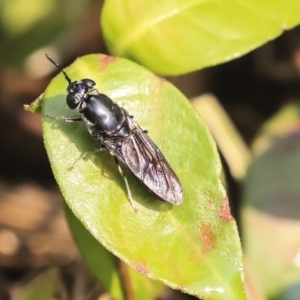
170, 38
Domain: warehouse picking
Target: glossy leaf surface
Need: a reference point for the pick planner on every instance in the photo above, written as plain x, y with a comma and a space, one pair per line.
176, 37
193, 247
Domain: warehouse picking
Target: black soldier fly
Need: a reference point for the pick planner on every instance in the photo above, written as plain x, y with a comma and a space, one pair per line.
117, 132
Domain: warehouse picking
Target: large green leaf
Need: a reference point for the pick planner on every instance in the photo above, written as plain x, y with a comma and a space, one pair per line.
193, 247
174, 37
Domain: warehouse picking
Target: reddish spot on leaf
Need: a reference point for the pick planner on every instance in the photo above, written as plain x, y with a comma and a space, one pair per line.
140, 268
106, 60
225, 214
207, 238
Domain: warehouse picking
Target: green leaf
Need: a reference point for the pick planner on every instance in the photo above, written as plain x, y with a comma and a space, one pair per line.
44, 287
193, 247
107, 269
271, 208
175, 37
22, 23
101, 262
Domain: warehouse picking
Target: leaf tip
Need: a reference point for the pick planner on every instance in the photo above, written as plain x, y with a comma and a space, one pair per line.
36, 105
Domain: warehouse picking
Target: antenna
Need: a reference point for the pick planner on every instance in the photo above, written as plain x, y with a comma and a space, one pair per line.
58, 66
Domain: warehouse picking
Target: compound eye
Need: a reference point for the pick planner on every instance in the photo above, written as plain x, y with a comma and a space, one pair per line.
72, 100
88, 83
91, 83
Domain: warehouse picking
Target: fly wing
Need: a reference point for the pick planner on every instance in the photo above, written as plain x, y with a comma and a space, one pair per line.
147, 163
142, 157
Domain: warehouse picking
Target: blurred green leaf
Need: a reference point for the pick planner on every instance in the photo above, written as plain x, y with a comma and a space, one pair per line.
13, 9
142, 287
175, 37
107, 268
193, 247
44, 287
102, 263
271, 212
26, 26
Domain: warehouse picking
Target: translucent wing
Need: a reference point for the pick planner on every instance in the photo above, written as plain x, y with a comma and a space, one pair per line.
143, 158
148, 164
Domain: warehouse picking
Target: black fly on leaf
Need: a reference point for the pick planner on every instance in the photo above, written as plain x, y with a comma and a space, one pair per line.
118, 133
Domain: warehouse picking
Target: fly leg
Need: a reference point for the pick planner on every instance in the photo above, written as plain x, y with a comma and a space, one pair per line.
70, 120
101, 149
126, 183
66, 119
